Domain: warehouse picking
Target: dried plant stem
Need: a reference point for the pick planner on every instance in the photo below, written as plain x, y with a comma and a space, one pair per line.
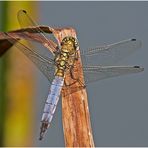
75, 110
76, 120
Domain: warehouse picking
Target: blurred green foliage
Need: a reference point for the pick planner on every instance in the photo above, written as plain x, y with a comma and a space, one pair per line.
3, 73
16, 120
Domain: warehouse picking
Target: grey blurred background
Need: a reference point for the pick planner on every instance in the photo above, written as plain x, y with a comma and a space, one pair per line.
118, 106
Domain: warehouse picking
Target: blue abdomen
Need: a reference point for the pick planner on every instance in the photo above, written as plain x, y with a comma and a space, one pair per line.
52, 99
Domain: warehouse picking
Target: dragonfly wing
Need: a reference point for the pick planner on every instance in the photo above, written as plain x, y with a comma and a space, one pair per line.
26, 21
95, 73
45, 64
35, 29
110, 54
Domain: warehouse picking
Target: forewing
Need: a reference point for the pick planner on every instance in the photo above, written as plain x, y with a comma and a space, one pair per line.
110, 54
26, 21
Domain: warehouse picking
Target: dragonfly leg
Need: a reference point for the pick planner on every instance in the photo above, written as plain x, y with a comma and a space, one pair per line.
77, 56
77, 79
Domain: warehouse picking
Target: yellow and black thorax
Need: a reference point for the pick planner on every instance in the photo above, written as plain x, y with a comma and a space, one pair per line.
66, 57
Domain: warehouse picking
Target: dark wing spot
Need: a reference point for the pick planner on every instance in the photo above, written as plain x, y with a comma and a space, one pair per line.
133, 39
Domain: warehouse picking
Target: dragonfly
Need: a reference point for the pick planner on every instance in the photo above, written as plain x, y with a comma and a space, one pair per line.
59, 59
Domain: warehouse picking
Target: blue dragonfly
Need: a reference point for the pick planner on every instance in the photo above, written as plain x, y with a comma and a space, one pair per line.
59, 59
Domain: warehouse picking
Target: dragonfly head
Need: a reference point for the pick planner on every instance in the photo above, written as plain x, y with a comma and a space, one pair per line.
69, 44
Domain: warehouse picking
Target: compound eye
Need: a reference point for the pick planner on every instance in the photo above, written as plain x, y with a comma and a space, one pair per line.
70, 40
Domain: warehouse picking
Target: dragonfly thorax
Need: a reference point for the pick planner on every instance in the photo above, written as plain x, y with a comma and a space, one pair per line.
65, 57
